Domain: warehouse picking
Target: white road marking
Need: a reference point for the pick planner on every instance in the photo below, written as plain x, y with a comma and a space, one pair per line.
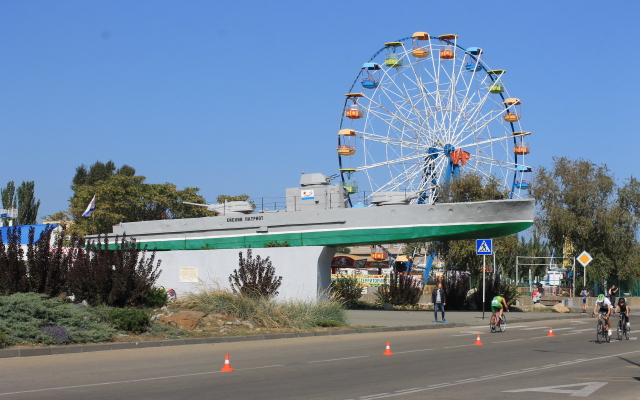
373, 396
469, 333
462, 345
408, 390
512, 340
412, 351
336, 359
588, 388
544, 327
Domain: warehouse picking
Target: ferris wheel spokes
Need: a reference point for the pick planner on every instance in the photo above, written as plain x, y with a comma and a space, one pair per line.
433, 111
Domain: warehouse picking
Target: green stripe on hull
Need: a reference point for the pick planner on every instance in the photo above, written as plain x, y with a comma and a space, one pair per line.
349, 237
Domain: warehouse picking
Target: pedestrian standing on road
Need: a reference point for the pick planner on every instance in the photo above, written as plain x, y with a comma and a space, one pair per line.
612, 294
439, 300
585, 295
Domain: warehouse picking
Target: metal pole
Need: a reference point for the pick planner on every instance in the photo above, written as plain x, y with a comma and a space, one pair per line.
494, 262
484, 267
574, 277
517, 257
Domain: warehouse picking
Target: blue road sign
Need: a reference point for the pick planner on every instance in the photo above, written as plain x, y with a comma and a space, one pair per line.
484, 247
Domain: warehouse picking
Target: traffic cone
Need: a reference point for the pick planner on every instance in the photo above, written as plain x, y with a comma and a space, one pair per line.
551, 333
387, 352
227, 365
478, 342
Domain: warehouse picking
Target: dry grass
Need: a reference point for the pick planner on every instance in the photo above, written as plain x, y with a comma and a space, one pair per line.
267, 312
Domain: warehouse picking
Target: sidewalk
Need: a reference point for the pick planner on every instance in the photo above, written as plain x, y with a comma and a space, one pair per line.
381, 318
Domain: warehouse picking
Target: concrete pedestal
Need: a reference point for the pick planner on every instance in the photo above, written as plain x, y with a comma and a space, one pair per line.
305, 271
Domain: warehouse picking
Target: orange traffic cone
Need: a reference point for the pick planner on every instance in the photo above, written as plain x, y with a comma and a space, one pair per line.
478, 342
227, 365
387, 352
551, 333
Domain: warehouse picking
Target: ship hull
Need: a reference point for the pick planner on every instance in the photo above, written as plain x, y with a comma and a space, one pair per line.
337, 227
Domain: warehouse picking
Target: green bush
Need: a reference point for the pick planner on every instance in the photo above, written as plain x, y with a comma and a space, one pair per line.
3, 340
35, 318
155, 298
347, 289
266, 311
129, 319
399, 290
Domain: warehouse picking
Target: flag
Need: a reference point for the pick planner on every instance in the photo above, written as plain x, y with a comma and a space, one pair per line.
90, 208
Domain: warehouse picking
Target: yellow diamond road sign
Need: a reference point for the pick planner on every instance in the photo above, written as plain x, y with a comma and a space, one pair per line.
584, 258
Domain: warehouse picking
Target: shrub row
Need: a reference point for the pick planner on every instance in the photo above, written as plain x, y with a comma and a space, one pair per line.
121, 277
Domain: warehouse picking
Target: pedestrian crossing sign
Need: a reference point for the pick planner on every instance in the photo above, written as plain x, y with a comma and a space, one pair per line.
484, 247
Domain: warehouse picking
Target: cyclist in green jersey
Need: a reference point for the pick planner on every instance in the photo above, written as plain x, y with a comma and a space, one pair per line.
499, 303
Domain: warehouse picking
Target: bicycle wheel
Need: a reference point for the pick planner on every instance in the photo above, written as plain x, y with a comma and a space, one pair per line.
627, 330
599, 330
620, 329
503, 323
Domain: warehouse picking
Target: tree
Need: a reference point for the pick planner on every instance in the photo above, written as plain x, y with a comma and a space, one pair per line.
225, 197
242, 197
122, 196
27, 205
580, 202
343, 250
9, 196
461, 254
411, 249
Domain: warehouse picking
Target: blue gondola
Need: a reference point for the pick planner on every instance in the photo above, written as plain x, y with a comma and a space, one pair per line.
371, 74
523, 183
473, 64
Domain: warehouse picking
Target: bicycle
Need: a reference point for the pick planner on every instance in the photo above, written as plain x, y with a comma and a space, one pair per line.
623, 330
602, 334
498, 323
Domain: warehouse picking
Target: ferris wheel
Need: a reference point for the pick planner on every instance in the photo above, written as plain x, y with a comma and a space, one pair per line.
422, 111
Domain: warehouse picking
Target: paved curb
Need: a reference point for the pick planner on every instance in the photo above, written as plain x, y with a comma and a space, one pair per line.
89, 348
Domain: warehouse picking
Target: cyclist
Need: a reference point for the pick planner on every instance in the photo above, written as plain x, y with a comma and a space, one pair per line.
603, 306
624, 310
498, 303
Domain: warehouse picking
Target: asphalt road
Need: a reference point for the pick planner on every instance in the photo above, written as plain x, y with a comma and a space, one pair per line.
521, 363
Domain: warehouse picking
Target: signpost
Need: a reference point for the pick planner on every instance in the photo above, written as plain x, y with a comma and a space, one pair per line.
584, 258
484, 248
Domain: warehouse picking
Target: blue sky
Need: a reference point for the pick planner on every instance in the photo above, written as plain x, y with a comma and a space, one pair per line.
240, 97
